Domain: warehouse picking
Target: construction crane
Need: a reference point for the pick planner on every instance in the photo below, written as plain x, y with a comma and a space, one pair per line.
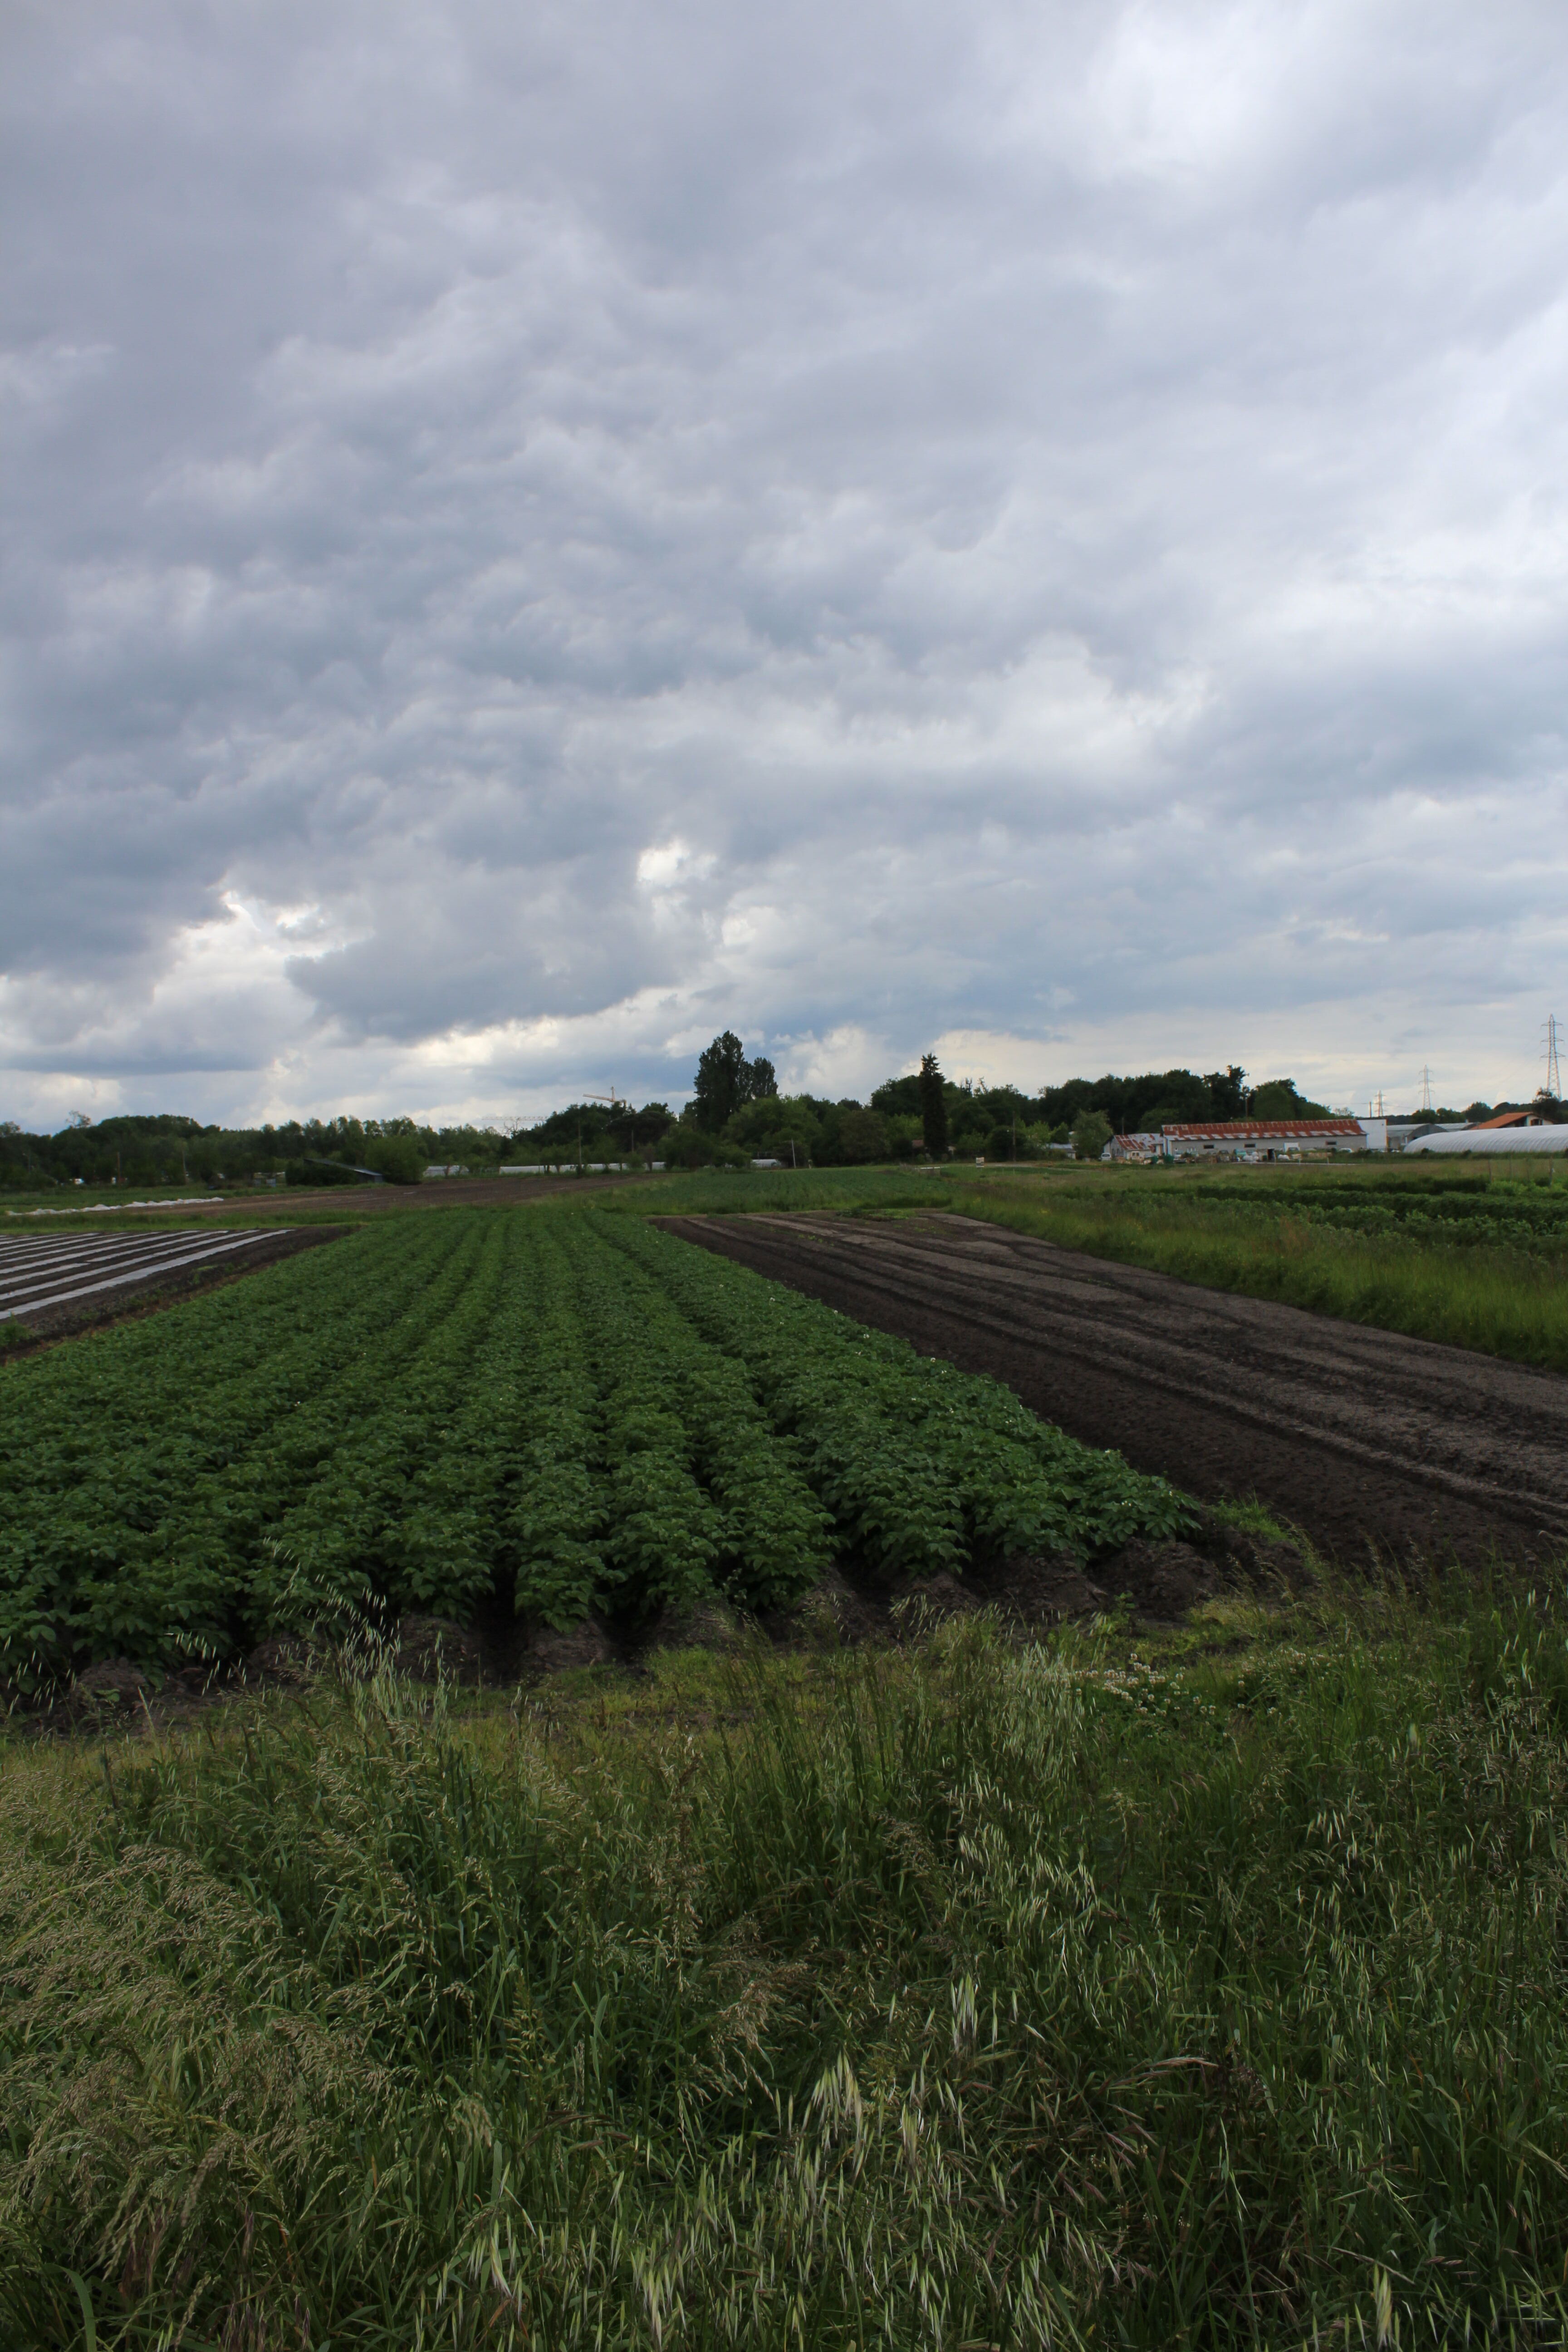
616, 1101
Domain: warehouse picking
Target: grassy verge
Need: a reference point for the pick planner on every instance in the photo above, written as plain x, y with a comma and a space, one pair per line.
1504, 1301
1203, 1994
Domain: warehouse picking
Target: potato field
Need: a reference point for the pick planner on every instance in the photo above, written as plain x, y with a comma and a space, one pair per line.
571, 1411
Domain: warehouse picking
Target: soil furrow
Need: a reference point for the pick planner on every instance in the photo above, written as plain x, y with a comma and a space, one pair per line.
1358, 1435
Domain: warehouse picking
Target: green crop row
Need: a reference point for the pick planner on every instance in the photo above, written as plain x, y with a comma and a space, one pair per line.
572, 1411
923, 1467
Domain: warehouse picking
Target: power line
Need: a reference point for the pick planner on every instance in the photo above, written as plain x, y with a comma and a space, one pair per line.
1553, 1076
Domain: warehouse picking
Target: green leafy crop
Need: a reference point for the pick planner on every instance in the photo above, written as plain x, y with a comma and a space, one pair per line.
573, 1410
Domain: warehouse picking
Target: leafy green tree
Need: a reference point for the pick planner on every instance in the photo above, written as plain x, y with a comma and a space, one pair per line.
1132, 1103
898, 1098
933, 1106
401, 1159
1227, 1091
1278, 1099
726, 1081
862, 1137
767, 1129
1090, 1133
687, 1145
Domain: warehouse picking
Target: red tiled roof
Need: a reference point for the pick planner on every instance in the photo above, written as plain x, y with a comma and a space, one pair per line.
1265, 1130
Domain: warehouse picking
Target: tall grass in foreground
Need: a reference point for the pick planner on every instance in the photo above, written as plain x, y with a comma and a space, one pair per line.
1506, 1302
959, 1996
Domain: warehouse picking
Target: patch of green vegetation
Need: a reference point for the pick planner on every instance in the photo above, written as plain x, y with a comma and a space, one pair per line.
561, 1413
1479, 1265
774, 1192
1250, 1517
1105, 1992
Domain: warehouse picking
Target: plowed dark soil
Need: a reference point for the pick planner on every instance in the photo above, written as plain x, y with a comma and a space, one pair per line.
1357, 1436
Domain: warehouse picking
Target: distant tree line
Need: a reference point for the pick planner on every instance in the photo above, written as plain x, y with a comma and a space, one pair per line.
736, 1115
157, 1149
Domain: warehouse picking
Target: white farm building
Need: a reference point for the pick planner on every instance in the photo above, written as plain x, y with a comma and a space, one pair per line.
1515, 1132
1262, 1139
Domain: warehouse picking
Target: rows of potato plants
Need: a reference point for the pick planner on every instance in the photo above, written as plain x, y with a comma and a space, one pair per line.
923, 1467
557, 1410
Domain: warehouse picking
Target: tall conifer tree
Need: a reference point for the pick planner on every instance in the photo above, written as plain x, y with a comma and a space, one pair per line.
933, 1107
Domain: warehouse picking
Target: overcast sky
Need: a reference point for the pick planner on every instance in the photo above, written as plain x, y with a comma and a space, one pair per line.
534, 533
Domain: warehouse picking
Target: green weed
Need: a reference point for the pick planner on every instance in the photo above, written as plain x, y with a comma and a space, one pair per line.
954, 1996
1435, 1261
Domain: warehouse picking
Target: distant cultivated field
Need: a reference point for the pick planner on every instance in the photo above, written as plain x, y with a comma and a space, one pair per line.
1354, 1435
38, 1272
1477, 1258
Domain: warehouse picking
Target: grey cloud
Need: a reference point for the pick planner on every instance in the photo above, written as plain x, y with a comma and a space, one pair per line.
1006, 492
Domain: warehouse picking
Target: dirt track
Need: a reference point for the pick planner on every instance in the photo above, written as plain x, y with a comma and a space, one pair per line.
1354, 1435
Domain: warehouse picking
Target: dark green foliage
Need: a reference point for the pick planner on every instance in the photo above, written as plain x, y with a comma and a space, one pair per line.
688, 1146
933, 1104
922, 1467
1129, 1104
397, 1153
725, 1081
442, 1406
592, 1130
160, 1151
953, 1997
862, 1137
1090, 1134
1279, 1099
1227, 1092
312, 1175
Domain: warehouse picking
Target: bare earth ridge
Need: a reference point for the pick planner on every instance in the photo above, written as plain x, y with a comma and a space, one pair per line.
1356, 1436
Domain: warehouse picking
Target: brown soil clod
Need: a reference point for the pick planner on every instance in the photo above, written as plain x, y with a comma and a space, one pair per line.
550, 1651
711, 1625
113, 1687
831, 1614
1036, 1592
1164, 1582
432, 1649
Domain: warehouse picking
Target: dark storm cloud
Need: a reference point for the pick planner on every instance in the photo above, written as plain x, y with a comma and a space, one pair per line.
536, 534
